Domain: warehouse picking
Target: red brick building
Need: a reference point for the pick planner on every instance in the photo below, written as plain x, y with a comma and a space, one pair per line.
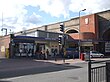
93, 32
88, 31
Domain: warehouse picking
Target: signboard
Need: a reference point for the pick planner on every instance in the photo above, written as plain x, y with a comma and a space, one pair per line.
2, 48
107, 47
86, 20
86, 44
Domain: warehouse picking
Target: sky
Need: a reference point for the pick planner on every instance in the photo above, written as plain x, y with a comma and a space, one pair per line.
18, 15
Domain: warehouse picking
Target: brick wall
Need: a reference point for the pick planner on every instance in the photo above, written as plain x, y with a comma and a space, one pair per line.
4, 43
88, 28
88, 24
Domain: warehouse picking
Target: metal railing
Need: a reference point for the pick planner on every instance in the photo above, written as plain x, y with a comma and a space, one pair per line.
97, 71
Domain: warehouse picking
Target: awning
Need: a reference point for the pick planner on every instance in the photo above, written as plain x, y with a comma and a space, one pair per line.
86, 44
23, 41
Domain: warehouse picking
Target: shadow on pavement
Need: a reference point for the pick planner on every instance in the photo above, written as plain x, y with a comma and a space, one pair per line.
5, 81
19, 67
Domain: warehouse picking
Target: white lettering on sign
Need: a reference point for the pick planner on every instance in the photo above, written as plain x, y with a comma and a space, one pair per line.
107, 47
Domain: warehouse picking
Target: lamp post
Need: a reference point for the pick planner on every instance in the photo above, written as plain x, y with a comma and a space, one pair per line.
79, 32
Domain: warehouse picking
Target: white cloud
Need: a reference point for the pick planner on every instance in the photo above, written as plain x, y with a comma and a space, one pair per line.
55, 7
12, 13
92, 6
34, 19
16, 16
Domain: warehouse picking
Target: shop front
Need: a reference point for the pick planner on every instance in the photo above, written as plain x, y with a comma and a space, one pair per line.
22, 46
27, 46
50, 45
87, 46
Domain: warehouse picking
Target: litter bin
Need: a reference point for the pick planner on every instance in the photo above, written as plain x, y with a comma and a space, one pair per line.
87, 56
82, 56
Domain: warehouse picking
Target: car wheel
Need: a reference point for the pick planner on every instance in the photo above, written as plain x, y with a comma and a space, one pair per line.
101, 56
91, 56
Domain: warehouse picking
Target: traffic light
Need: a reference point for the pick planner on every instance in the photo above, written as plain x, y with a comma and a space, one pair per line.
60, 40
11, 36
62, 28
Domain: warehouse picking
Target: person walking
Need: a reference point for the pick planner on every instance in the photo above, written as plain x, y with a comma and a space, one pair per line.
47, 54
43, 54
21, 51
55, 54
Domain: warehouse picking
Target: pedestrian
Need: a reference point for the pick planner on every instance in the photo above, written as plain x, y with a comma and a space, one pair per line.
40, 54
52, 52
55, 53
36, 53
47, 54
30, 52
43, 54
21, 51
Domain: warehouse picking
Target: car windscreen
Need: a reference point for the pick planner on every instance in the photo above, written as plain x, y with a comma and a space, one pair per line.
94, 52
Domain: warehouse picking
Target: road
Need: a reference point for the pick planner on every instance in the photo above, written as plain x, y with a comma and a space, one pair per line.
31, 71
27, 70
71, 75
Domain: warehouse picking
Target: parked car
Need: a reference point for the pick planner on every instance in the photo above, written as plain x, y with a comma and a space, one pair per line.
96, 54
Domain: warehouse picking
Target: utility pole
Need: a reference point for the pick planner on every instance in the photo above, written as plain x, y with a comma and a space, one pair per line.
3, 27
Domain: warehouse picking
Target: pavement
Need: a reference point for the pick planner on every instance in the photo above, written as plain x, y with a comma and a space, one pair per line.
60, 61
73, 61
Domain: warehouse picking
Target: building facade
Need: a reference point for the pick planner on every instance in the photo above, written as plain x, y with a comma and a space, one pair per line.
92, 31
28, 44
